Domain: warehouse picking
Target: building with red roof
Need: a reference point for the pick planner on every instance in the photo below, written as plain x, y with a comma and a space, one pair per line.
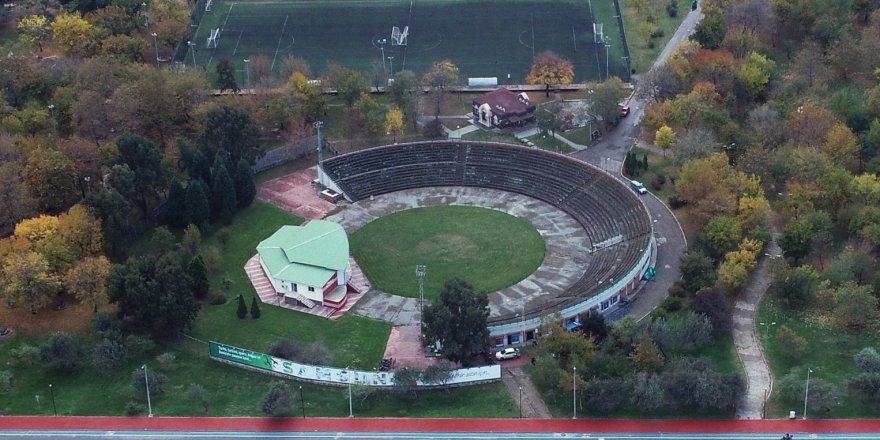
502, 108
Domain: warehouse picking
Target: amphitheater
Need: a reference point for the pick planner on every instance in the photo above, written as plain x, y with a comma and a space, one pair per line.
614, 243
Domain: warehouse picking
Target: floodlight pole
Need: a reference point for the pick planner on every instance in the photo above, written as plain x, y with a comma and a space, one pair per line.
807, 392
421, 269
192, 49
302, 401
382, 46
147, 383
318, 125
350, 407
55, 409
607, 49
574, 408
247, 68
391, 60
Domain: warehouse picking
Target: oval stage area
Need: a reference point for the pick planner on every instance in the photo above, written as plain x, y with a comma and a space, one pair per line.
597, 231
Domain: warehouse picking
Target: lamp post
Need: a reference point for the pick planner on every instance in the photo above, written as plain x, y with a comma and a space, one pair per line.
574, 408
146, 18
807, 392
391, 66
247, 69
52, 117
421, 270
192, 50
156, 45
382, 46
590, 95
766, 326
55, 409
302, 401
522, 322
350, 407
520, 402
147, 383
607, 49
318, 125
88, 180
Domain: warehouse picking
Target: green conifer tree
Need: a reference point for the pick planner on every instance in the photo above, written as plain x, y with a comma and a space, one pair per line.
198, 272
241, 311
255, 308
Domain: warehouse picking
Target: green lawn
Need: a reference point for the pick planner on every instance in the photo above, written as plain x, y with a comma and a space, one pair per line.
490, 249
349, 33
549, 143
829, 354
491, 136
578, 135
657, 165
634, 22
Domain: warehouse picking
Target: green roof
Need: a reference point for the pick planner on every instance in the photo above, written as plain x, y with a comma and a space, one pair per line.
308, 254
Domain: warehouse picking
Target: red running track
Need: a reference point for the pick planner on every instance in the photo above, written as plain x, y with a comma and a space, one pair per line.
435, 425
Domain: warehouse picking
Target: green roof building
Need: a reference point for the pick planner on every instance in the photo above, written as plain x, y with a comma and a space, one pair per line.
308, 264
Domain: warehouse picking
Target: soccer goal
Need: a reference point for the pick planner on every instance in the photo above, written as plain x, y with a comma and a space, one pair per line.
208, 5
212, 39
398, 38
598, 35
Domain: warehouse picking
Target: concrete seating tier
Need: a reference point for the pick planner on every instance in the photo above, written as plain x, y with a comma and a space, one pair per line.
604, 206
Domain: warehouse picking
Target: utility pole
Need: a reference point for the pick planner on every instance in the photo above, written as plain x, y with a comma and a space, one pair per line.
318, 125
192, 49
156, 45
421, 269
382, 46
807, 392
147, 383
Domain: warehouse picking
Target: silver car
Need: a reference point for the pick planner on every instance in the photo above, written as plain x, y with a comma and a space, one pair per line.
507, 353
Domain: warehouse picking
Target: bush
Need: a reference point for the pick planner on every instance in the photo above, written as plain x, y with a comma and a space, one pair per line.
434, 129
197, 392
867, 360
61, 352
139, 380
26, 355
677, 291
659, 33
278, 401
675, 202
717, 308
166, 359
223, 236
671, 304
289, 349
672, 9
108, 355
656, 184
791, 345
133, 409
216, 299
106, 327
5, 381
316, 354
213, 258
651, 44
136, 346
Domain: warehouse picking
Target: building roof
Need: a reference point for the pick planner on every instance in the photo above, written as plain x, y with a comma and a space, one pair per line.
308, 254
505, 103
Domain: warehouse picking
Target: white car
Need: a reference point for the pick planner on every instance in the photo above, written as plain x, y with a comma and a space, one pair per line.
507, 353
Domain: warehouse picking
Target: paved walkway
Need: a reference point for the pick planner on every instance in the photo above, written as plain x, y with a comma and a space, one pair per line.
745, 338
524, 393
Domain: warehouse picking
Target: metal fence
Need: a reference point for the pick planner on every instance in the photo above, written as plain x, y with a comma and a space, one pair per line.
623, 38
194, 20
286, 153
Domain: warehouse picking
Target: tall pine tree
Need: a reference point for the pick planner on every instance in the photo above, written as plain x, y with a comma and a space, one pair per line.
197, 207
255, 308
245, 190
174, 214
223, 191
241, 311
199, 275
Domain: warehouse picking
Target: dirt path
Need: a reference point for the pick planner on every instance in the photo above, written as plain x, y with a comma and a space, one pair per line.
533, 407
751, 354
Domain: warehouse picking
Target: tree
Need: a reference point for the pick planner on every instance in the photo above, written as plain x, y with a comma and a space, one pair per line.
255, 308
442, 74
842, 147
192, 240
710, 30
695, 143
593, 324
605, 395
197, 207
198, 273
114, 212
697, 271
737, 265
174, 213
226, 76
350, 85
34, 30
241, 310
401, 89
867, 360
278, 401
145, 161
197, 393
714, 305
457, 321
108, 356
664, 138
568, 348
73, 34
855, 308
51, 180
756, 72
61, 352
796, 286
394, 122
646, 355
245, 190
406, 380
79, 233
154, 294
28, 280
87, 281
692, 332
605, 99
722, 234
790, 343
140, 377
550, 69
796, 240
548, 118
230, 129
647, 394
223, 192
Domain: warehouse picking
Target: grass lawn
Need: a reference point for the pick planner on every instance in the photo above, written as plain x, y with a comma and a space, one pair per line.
578, 135
657, 165
490, 249
634, 21
828, 353
550, 143
351, 32
491, 136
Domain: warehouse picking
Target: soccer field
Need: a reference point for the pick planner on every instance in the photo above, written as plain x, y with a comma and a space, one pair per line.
492, 38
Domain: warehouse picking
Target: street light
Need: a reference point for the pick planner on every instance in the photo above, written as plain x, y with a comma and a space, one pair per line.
520, 402
247, 68
590, 95
302, 401
382, 46
88, 180
574, 408
421, 270
147, 382
607, 49
192, 50
767, 329
156, 45
391, 67
55, 409
807, 392
350, 407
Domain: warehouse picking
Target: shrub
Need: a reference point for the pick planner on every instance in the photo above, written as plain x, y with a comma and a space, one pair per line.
717, 308
316, 354
166, 359
659, 33
677, 291
433, 129
216, 299
26, 355
5, 381
133, 409
656, 184
137, 346
61, 352
106, 327
661, 178
108, 355
197, 392
289, 349
867, 360
651, 44
139, 378
212, 257
223, 236
671, 304
675, 202
790, 343
692, 332
672, 9
278, 401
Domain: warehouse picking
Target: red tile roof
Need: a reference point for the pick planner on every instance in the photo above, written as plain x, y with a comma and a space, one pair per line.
504, 103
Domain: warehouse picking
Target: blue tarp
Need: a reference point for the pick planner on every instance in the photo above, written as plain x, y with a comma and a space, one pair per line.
572, 326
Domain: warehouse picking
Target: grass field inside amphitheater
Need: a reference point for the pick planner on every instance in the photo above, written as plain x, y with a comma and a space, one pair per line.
492, 38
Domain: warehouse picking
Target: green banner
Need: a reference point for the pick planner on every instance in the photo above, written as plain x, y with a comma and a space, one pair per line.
240, 356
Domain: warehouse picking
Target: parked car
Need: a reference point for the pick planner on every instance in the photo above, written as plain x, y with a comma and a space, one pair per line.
624, 111
638, 187
507, 353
